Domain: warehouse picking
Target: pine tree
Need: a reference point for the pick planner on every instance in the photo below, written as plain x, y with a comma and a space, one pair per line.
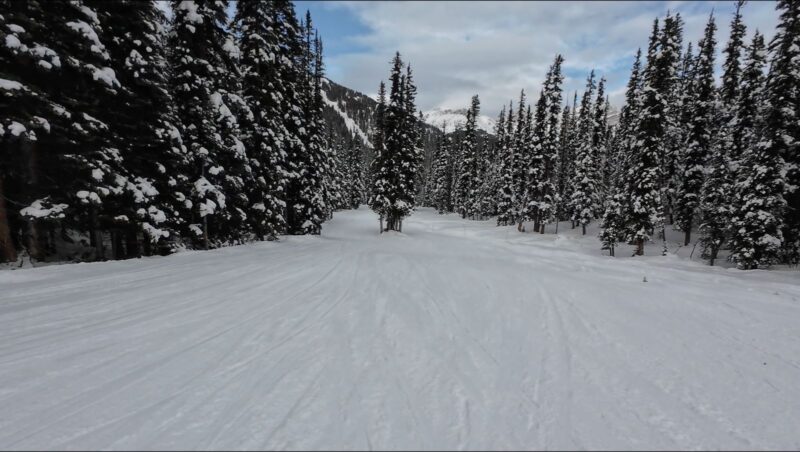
492, 178
782, 134
674, 135
505, 193
681, 125
28, 68
256, 25
562, 161
519, 161
442, 176
612, 225
468, 181
700, 134
716, 206
354, 164
584, 201
309, 161
541, 191
758, 212
71, 174
643, 212
145, 133
200, 77
397, 164
379, 181
566, 165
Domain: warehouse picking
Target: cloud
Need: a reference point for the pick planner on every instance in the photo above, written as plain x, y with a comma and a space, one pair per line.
495, 49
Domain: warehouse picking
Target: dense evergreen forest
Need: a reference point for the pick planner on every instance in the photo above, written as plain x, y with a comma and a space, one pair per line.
126, 133
686, 153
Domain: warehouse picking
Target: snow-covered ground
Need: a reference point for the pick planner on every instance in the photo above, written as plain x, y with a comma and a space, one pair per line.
454, 334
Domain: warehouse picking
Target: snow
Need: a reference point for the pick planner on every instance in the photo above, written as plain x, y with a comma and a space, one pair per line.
14, 28
447, 120
88, 12
41, 208
231, 48
12, 42
16, 128
10, 85
190, 6
106, 75
451, 335
88, 32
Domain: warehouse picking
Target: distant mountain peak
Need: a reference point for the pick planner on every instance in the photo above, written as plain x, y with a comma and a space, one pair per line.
448, 119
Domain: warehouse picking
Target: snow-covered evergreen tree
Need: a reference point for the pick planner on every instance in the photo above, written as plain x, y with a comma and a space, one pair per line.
256, 25
674, 130
505, 193
520, 144
354, 174
29, 70
441, 168
541, 193
782, 133
201, 66
584, 202
716, 202
397, 163
700, 138
144, 124
756, 223
566, 160
468, 180
643, 179
491, 178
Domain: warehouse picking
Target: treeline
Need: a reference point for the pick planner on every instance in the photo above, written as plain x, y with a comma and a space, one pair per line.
687, 153
123, 133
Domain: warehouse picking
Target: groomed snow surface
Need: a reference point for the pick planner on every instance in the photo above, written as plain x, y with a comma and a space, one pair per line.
452, 335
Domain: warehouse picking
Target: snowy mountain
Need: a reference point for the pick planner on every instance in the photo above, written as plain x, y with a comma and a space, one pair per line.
448, 119
348, 112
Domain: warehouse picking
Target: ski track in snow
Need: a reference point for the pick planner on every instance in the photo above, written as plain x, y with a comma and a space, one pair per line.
453, 335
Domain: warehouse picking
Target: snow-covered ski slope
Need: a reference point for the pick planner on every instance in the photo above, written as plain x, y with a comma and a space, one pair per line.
452, 335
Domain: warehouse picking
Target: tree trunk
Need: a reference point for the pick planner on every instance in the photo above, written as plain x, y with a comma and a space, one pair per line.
132, 243
583, 229
116, 245
541, 231
147, 248
640, 247
611, 250
34, 246
205, 232
7, 251
714, 251
688, 236
96, 234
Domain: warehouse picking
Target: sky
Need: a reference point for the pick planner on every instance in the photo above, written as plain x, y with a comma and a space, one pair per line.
495, 49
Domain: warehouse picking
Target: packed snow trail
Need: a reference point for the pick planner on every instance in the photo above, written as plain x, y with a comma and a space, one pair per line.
452, 335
